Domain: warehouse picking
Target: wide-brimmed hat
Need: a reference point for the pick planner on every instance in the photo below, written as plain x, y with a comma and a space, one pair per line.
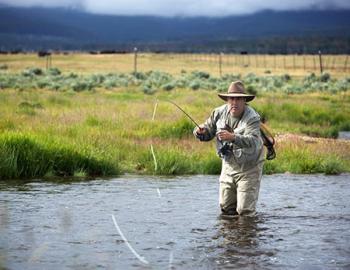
236, 89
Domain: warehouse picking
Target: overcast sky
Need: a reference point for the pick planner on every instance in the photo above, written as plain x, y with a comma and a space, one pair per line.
182, 7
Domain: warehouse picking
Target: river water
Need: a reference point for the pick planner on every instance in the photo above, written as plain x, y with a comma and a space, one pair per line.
303, 222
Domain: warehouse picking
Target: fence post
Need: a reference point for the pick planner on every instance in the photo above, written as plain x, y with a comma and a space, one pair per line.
135, 60
320, 58
346, 63
294, 64
47, 62
333, 62
220, 63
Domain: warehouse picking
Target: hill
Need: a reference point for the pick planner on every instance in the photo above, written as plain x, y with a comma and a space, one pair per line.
267, 31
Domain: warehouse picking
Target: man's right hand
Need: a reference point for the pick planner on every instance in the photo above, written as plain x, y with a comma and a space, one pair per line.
200, 130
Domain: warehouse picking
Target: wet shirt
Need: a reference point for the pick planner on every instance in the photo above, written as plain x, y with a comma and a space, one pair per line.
246, 150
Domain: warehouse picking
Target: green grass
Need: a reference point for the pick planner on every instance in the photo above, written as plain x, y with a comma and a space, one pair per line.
28, 156
179, 129
296, 156
109, 130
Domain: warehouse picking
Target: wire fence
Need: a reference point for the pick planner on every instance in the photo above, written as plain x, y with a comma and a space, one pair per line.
232, 62
218, 64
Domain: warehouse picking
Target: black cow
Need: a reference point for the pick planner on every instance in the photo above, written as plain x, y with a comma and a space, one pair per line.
43, 53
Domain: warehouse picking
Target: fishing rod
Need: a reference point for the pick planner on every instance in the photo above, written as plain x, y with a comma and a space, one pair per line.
194, 122
153, 117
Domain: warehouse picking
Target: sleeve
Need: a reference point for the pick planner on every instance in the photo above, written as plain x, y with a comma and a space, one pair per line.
249, 136
209, 126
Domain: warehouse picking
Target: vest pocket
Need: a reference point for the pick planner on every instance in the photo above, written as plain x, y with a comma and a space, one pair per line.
244, 155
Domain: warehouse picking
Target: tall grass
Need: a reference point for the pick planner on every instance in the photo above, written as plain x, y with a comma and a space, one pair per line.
308, 114
295, 155
28, 156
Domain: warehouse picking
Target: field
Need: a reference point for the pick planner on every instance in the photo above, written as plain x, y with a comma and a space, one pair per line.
294, 65
91, 115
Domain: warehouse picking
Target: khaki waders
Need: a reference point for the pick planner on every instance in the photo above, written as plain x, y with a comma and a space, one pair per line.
239, 191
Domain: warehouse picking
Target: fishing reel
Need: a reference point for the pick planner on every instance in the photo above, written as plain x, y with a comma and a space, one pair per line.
223, 148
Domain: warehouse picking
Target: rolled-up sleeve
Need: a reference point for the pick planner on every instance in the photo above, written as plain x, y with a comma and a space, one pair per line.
209, 126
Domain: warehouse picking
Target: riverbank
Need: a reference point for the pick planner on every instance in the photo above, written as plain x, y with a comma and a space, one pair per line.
47, 133
24, 156
60, 123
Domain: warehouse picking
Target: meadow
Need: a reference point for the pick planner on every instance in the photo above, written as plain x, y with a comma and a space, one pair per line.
85, 116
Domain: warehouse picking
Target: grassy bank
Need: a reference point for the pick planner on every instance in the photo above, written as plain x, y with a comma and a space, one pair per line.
23, 155
106, 131
91, 115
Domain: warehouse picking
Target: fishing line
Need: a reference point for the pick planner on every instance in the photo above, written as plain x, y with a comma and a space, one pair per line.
152, 151
159, 195
171, 257
154, 110
127, 243
153, 116
194, 122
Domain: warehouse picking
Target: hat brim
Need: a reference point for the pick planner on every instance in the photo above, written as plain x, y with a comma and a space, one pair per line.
247, 97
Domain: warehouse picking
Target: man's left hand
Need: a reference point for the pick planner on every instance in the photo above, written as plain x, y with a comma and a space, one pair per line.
225, 135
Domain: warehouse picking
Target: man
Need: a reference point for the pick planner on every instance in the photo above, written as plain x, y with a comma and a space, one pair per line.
236, 127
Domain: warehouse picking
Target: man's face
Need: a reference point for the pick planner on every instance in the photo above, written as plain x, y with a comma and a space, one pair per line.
237, 105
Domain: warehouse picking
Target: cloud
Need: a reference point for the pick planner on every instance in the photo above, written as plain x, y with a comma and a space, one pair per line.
191, 8
42, 3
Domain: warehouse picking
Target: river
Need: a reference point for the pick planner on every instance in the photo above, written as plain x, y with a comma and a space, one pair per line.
303, 222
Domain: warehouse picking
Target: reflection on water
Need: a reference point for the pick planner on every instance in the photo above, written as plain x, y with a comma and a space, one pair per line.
303, 222
240, 239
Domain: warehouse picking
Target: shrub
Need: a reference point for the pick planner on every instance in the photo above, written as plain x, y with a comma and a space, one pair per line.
79, 86
195, 85
201, 74
109, 83
286, 77
32, 72
3, 67
251, 78
148, 81
251, 89
168, 86
53, 71
139, 75
325, 77
148, 90
72, 75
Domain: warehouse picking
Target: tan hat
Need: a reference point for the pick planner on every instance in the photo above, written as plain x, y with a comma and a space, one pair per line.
236, 89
